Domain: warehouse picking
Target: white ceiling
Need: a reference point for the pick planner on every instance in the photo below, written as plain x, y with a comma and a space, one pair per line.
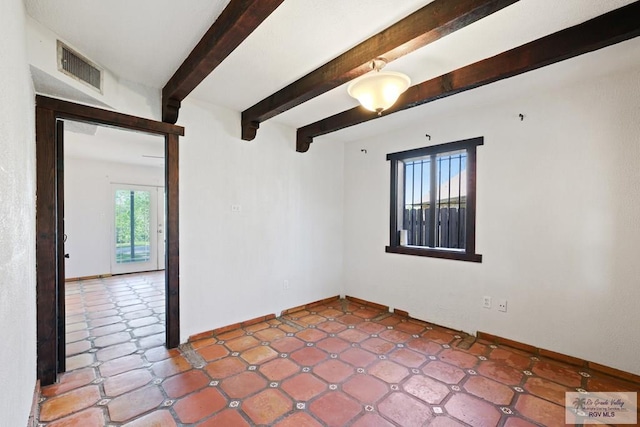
146, 40
303, 34
143, 41
87, 141
579, 70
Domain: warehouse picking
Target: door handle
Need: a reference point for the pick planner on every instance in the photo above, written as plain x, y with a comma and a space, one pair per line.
66, 255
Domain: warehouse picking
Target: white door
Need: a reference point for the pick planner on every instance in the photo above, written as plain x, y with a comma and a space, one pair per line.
162, 243
136, 233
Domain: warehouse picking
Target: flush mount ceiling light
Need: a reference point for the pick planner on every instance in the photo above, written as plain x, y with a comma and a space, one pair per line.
379, 90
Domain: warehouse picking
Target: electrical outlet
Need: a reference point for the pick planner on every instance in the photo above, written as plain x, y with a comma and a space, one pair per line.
236, 208
502, 305
486, 302
286, 285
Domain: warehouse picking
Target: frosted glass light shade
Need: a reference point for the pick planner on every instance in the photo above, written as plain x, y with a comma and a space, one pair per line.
379, 90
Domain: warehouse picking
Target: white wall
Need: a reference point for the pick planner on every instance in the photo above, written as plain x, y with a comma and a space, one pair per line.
87, 198
89, 209
233, 265
17, 221
557, 221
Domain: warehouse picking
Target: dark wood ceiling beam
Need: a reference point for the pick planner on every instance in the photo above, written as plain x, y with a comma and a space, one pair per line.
608, 29
232, 27
426, 25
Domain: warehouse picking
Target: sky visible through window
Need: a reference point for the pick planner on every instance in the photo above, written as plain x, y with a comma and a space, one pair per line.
450, 168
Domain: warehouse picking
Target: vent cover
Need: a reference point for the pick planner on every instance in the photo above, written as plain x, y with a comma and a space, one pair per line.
78, 67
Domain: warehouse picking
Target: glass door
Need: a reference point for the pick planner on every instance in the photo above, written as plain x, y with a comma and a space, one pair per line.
135, 232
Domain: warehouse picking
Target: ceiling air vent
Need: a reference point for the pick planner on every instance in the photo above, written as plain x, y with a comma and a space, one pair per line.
73, 64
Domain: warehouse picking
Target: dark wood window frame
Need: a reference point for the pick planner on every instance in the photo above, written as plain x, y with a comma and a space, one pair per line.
50, 310
469, 253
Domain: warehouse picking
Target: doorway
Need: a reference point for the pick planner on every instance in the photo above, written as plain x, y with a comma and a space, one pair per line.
114, 222
50, 254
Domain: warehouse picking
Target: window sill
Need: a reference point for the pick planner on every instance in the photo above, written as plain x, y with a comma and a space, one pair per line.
433, 253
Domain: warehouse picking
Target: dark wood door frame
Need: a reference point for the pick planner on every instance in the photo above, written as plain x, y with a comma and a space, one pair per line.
49, 223
60, 239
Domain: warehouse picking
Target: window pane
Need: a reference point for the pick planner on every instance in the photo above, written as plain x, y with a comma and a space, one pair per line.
451, 199
417, 201
447, 228
132, 226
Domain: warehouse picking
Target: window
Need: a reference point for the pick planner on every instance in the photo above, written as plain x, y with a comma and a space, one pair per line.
433, 201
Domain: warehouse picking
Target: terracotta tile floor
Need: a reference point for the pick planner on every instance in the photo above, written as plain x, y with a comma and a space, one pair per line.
342, 364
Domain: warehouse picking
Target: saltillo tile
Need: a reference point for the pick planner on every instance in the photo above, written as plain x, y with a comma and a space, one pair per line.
335, 408
405, 410
267, 406
134, 403
68, 403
